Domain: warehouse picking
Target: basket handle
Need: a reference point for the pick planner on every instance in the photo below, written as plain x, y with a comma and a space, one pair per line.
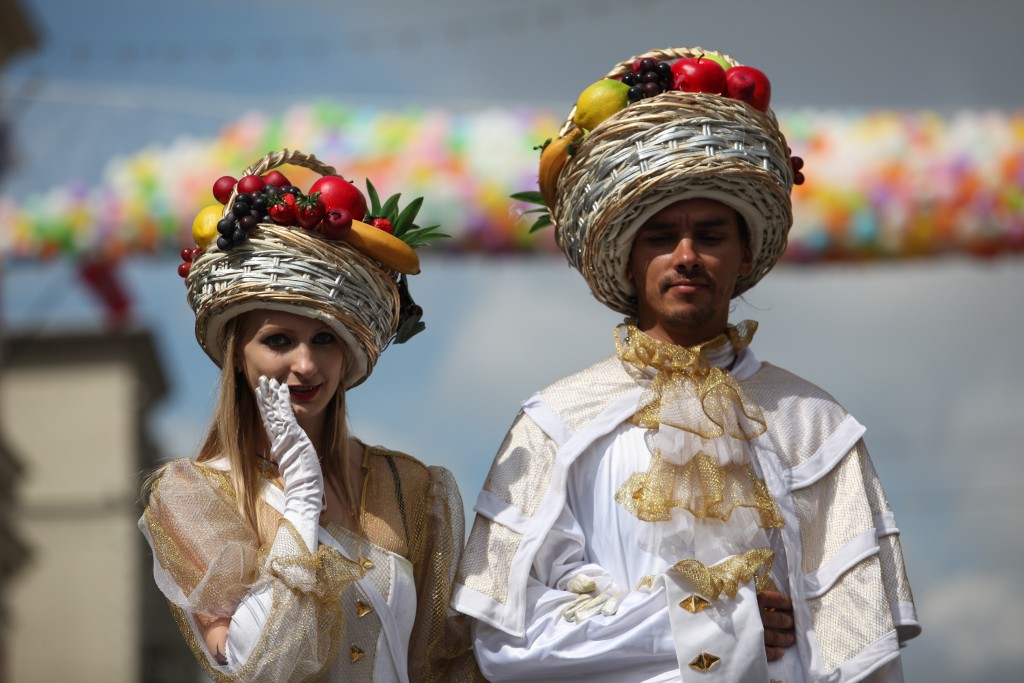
285, 157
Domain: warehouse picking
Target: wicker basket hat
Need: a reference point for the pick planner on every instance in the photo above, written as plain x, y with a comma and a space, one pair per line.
660, 150
288, 268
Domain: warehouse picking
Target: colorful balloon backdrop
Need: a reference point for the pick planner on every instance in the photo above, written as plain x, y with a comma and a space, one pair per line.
880, 184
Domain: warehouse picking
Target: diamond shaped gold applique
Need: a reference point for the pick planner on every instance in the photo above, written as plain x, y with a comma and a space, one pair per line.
694, 603
645, 582
355, 654
362, 609
365, 564
704, 661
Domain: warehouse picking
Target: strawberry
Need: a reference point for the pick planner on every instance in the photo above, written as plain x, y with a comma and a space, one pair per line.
309, 210
282, 209
383, 224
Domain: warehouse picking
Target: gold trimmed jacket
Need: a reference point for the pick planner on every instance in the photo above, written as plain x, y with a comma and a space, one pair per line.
852, 600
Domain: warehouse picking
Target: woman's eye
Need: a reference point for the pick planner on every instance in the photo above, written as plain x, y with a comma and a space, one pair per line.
323, 338
276, 340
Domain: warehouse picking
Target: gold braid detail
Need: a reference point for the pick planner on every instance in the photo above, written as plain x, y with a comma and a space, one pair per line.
727, 575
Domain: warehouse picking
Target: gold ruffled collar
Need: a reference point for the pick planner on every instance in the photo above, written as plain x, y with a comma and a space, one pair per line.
706, 470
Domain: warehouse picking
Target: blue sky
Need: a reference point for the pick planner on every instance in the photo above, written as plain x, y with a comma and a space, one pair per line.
925, 353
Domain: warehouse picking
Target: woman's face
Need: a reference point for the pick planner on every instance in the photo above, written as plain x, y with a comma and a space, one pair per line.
302, 352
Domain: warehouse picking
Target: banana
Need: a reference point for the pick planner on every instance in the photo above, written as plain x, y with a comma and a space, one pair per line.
552, 159
383, 247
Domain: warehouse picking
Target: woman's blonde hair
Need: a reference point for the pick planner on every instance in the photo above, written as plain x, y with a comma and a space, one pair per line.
236, 432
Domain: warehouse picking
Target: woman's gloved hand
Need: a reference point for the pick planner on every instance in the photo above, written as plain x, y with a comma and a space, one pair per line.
296, 459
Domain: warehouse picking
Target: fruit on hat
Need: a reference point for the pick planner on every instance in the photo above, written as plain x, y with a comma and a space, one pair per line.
336, 224
338, 193
309, 210
599, 101
204, 226
383, 247
223, 187
276, 178
647, 78
250, 183
383, 224
552, 161
749, 85
698, 74
722, 61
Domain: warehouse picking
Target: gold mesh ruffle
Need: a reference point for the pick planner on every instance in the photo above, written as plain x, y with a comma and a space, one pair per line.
727, 575
700, 486
207, 560
686, 391
691, 407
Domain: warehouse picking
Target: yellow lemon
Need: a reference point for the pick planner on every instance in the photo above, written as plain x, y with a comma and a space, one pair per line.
599, 101
204, 227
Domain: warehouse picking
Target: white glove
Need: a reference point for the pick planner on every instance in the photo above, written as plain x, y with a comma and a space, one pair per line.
598, 595
296, 460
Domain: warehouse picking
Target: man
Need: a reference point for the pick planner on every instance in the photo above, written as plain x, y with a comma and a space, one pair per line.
682, 511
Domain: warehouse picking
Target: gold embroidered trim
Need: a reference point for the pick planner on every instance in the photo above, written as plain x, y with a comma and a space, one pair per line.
362, 609
726, 576
355, 654
684, 372
700, 486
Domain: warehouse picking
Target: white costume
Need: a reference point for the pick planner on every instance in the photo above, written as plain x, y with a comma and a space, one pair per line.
367, 607
549, 512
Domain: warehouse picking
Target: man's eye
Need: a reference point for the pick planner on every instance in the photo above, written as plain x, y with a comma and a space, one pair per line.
659, 237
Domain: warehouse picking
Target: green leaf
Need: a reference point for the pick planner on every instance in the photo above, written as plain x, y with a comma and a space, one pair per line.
532, 196
405, 219
374, 198
423, 236
542, 222
388, 209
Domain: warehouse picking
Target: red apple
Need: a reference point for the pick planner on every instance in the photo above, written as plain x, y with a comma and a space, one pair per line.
749, 85
250, 183
338, 193
222, 188
276, 178
698, 74
337, 223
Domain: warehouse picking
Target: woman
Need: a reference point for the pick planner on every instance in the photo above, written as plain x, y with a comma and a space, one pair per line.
287, 549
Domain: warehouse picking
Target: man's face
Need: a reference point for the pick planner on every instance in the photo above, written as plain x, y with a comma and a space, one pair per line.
685, 262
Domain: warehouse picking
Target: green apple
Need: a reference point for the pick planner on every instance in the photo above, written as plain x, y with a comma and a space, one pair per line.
719, 59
